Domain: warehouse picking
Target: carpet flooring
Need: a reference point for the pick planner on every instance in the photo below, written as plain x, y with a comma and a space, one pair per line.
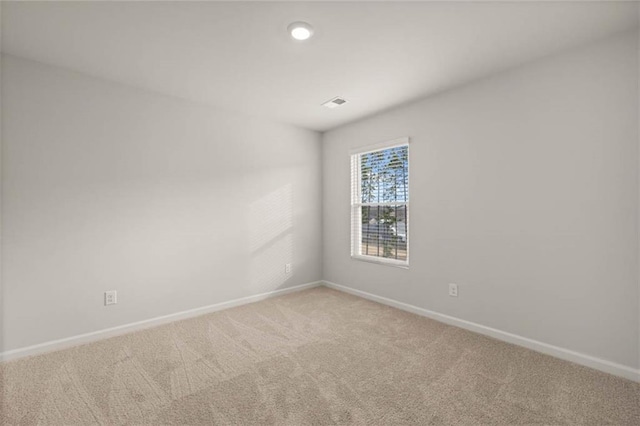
317, 356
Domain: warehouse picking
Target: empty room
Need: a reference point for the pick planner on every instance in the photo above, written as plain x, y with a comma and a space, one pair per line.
320, 213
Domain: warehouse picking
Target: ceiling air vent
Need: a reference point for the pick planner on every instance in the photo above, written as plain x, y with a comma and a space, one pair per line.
335, 102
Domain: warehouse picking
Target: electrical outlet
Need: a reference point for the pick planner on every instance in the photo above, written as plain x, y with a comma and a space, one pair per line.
453, 290
287, 268
110, 297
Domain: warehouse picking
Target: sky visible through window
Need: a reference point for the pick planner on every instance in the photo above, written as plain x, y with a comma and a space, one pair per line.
385, 175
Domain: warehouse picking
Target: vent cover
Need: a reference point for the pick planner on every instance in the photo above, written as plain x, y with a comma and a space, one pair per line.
335, 102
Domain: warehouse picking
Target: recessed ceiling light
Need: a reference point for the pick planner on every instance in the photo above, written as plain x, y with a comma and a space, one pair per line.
300, 30
335, 102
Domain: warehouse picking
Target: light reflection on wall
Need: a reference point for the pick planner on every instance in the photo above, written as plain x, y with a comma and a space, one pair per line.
271, 225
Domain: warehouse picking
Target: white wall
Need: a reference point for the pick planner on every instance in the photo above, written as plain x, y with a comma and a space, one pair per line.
173, 204
524, 191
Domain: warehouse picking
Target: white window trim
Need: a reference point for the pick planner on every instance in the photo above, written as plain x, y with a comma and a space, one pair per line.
404, 264
356, 234
379, 146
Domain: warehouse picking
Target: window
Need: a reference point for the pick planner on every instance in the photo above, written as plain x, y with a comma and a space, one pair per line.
380, 203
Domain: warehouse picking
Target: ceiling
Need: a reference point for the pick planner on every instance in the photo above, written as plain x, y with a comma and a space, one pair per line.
238, 56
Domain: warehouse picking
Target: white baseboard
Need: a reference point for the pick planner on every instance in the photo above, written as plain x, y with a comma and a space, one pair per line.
558, 352
555, 351
81, 339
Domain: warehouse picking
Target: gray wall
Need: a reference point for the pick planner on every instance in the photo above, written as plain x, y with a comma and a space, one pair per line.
172, 204
524, 191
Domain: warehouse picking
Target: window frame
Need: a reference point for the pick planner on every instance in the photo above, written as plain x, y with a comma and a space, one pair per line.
357, 204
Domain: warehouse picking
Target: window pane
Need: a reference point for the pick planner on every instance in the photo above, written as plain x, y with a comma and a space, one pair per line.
380, 179
384, 175
384, 231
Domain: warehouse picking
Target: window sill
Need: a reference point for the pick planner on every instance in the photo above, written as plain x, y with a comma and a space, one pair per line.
381, 261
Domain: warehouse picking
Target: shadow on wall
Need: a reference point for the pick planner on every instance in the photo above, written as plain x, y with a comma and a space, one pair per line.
271, 227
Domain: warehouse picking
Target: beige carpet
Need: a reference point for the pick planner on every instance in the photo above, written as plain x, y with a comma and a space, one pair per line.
313, 357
